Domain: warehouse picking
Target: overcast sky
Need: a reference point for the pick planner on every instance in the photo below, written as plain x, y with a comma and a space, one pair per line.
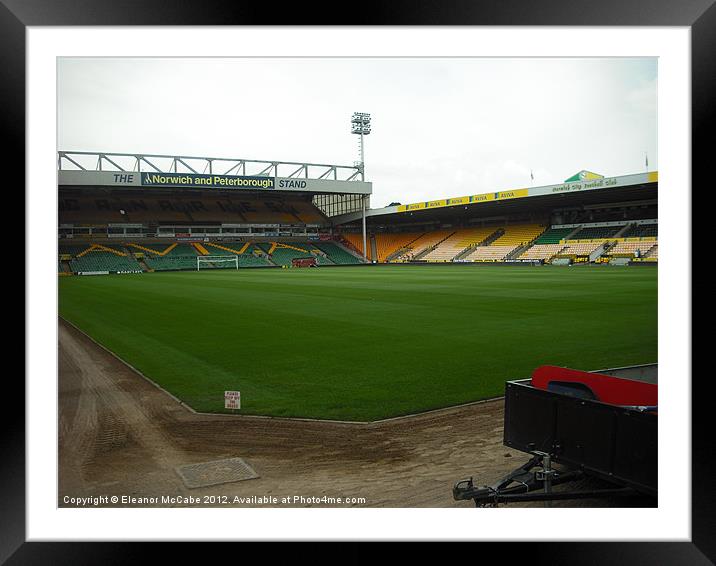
441, 127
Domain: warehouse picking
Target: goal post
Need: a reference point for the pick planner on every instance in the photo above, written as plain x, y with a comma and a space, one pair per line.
215, 261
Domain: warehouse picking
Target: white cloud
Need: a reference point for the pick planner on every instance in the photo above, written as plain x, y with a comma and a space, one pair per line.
441, 127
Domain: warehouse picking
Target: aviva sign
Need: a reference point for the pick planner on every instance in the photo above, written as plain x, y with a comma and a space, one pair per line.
500, 195
205, 181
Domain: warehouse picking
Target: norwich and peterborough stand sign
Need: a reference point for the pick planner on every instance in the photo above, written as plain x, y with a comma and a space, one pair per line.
203, 181
206, 181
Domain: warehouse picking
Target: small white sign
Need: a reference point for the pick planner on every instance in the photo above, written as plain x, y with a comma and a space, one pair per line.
232, 399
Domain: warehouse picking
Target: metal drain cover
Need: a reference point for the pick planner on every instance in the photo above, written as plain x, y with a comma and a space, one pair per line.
216, 472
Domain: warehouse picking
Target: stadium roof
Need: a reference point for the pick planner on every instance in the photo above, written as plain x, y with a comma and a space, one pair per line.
640, 186
125, 170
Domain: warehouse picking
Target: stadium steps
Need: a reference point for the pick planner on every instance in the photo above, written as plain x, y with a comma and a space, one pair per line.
518, 251
339, 254
283, 254
546, 257
354, 243
573, 232
486, 242
653, 251
492, 237
139, 258
549, 260
405, 249
600, 251
175, 257
100, 247
522, 249
228, 249
624, 229
84, 252
289, 246
427, 250
155, 252
201, 249
347, 247
110, 250
323, 257
373, 247
463, 253
269, 259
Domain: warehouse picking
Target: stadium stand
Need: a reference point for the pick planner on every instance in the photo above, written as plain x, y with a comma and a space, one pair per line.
336, 253
518, 235
171, 263
97, 257
511, 238
246, 252
553, 235
283, 253
390, 243
582, 248
458, 242
175, 256
489, 253
102, 261
624, 248
641, 231
144, 208
423, 244
595, 232
73, 249
167, 257
542, 251
356, 241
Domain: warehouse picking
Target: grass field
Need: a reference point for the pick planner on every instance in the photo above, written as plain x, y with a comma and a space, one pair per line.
364, 343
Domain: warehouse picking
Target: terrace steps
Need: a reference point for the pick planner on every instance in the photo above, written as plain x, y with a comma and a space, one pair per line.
427, 250
228, 249
155, 252
201, 249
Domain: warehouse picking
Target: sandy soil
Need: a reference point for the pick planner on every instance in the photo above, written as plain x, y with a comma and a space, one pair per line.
119, 435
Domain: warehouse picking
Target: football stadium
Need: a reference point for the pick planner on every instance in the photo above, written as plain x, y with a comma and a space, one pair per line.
262, 313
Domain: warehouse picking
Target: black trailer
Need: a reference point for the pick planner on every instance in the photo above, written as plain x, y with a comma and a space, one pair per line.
584, 436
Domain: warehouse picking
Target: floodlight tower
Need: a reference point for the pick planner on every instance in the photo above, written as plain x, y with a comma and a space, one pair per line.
360, 125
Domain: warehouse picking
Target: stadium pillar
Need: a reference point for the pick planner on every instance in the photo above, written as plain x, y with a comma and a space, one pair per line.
365, 244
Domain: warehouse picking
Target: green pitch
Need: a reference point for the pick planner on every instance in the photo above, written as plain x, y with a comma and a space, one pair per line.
364, 343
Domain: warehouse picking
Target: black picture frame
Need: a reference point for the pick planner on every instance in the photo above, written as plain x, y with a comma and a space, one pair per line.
699, 15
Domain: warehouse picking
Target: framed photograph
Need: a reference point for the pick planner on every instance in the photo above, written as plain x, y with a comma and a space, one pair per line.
359, 283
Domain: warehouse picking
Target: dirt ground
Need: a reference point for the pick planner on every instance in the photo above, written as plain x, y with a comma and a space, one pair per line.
119, 435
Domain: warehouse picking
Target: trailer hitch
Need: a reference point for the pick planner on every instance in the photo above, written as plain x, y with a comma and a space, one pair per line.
532, 481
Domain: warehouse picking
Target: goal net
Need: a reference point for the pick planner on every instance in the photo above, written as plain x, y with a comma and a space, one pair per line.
216, 262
